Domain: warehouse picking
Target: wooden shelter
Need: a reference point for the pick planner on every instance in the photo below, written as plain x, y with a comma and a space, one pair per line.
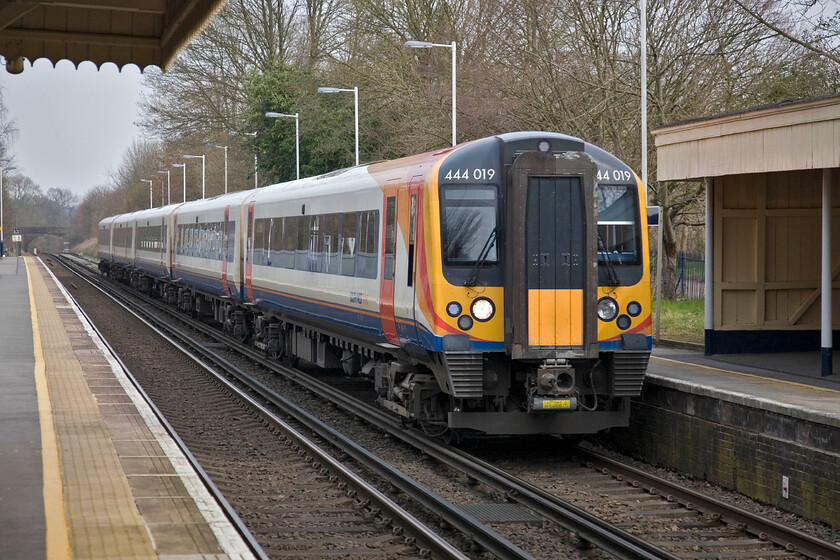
772, 222
141, 32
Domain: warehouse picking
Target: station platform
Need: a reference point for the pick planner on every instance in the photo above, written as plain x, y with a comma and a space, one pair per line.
86, 470
785, 383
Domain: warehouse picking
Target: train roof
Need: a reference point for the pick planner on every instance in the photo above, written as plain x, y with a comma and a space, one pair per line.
361, 177
153, 213
352, 178
213, 203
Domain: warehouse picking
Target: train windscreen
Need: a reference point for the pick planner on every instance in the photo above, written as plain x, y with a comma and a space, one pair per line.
470, 215
617, 225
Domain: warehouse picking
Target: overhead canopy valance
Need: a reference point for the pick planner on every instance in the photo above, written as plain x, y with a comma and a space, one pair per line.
141, 32
789, 136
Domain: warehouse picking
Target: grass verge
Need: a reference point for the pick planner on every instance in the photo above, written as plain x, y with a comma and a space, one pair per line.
681, 320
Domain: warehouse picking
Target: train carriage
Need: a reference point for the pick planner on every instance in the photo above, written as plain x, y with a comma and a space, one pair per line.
122, 235
104, 241
311, 256
206, 252
152, 241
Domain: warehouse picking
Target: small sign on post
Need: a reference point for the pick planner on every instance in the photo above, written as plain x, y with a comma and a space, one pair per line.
653, 215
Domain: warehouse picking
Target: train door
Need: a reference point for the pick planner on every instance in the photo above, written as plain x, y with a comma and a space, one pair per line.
226, 252
177, 243
554, 245
132, 249
389, 264
408, 203
249, 251
164, 268
550, 282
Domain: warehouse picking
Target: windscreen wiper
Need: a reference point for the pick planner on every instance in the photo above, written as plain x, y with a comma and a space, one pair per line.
614, 280
482, 258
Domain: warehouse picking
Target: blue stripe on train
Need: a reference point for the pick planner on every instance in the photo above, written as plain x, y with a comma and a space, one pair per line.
208, 284
616, 345
371, 325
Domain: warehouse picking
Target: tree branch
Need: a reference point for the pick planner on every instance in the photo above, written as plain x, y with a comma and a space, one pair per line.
787, 35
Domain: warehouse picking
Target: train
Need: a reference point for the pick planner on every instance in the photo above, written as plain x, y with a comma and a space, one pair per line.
496, 287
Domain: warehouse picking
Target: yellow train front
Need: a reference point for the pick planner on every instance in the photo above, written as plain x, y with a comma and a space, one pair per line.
529, 259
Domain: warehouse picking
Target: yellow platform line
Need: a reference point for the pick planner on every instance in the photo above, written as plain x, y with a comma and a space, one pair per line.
729, 371
58, 541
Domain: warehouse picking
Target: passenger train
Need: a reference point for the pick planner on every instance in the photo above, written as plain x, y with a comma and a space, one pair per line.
500, 286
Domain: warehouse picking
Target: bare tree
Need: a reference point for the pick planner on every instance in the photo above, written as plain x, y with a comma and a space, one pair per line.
8, 130
571, 67
202, 92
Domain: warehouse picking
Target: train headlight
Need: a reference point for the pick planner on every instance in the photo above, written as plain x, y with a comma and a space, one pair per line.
607, 309
465, 322
453, 308
482, 309
624, 322
634, 308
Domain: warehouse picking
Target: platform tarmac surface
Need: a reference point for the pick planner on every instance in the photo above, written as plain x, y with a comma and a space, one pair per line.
787, 383
86, 470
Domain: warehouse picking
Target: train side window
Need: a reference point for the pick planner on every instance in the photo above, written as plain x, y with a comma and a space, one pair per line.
349, 232
231, 240
276, 242
331, 243
302, 247
289, 241
260, 241
366, 257
390, 237
316, 249
202, 241
216, 252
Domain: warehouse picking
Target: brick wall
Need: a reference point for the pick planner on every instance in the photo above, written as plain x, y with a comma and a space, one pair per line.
738, 447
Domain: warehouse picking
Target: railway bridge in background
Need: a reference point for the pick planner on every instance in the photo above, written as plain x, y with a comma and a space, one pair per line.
30, 234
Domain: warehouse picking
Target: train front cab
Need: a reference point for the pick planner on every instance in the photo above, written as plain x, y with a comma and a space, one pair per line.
565, 370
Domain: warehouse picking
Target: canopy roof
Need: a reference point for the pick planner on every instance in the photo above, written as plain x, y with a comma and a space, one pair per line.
141, 32
787, 136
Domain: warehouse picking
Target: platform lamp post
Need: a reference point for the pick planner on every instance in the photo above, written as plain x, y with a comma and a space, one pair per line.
168, 187
202, 171
2, 169
254, 134
453, 46
355, 91
150, 191
210, 145
295, 116
184, 166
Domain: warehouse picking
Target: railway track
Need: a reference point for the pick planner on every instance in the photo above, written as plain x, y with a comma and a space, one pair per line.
682, 527
293, 496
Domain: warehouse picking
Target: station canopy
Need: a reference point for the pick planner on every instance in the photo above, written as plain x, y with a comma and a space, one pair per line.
141, 32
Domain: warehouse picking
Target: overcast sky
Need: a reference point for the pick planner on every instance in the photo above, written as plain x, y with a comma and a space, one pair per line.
74, 124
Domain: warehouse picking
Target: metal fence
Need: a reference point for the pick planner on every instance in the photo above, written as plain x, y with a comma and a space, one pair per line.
691, 282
